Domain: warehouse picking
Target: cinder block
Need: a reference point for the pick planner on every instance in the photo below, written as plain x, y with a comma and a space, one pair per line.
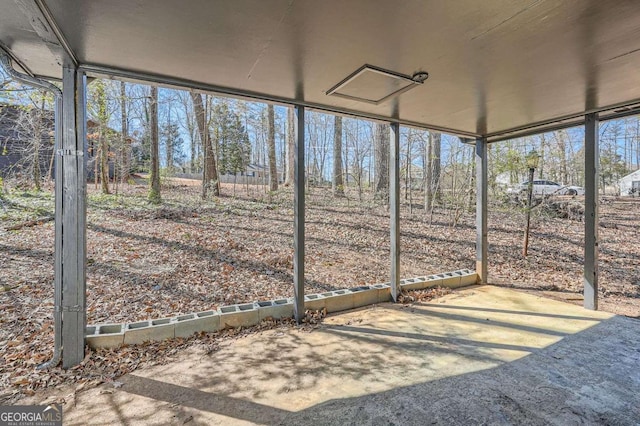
144, 331
211, 320
449, 279
109, 336
314, 302
105, 336
276, 309
109, 328
339, 300
416, 284
434, 280
363, 296
244, 315
186, 325
468, 277
384, 292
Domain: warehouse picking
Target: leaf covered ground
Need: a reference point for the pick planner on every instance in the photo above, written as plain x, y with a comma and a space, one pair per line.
146, 261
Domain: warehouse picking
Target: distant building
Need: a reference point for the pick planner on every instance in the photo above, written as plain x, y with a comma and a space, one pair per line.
254, 174
630, 185
17, 128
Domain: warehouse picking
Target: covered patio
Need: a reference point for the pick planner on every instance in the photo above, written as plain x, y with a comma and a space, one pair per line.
485, 71
482, 355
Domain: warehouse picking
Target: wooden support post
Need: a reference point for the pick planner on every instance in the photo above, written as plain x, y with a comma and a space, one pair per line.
481, 209
72, 240
394, 207
299, 211
591, 203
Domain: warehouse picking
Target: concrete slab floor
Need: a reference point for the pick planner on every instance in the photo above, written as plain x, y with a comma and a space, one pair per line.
482, 355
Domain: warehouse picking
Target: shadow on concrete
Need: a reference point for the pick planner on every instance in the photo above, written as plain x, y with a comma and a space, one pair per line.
505, 311
237, 408
590, 377
429, 340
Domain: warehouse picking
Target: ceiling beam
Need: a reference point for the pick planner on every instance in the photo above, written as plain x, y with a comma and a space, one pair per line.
46, 16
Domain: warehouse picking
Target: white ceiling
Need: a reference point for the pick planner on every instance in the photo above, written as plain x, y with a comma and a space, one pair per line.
494, 65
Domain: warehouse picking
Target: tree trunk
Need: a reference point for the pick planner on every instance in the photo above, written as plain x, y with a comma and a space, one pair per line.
381, 142
124, 122
104, 160
37, 140
428, 173
271, 141
543, 144
209, 174
169, 147
291, 147
36, 151
562, 150
154, 192
338, 182
103, 118
96, 175
435, 178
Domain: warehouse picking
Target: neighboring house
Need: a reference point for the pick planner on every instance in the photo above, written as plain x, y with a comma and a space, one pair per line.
630, 185
504, 179
17, 128
254, 174
417, 173
93, 150
366, 176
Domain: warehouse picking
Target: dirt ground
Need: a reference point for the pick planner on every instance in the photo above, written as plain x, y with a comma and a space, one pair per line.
186, 255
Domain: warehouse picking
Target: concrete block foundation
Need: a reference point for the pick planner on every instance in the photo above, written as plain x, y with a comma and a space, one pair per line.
339, 300
314, 302
276, 309
145, 331
248, 314
207, 321
365, 295
243, 315
105, 336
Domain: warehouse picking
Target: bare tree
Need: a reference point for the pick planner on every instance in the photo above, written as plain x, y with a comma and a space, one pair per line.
154, 192
543, 149
358, 137
188, 124
291, 147
271, 140
381, 148
103, 144
428, 172
319, 139
210, 173
337, 181
562, 151
124, 148
437, 166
